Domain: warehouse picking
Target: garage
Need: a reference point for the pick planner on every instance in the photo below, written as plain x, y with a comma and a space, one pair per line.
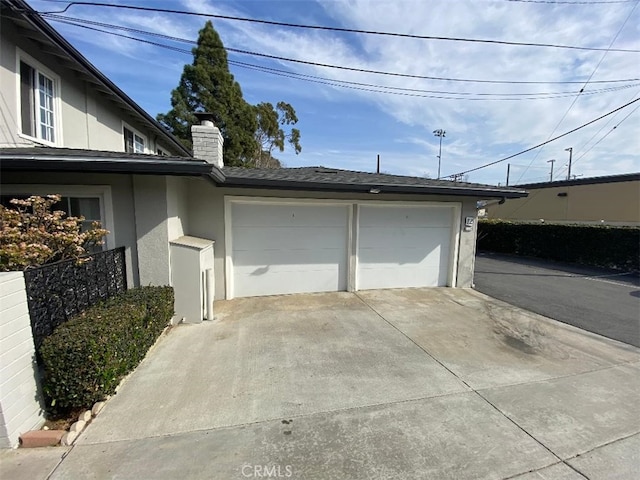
280, 247
405, 246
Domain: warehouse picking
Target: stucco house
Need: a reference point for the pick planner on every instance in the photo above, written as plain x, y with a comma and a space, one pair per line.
65, 128
610, 200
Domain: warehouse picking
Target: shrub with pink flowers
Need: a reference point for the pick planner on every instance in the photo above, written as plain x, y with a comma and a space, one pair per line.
32, 234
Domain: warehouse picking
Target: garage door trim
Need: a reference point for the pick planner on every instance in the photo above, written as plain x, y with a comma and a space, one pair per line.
230, 200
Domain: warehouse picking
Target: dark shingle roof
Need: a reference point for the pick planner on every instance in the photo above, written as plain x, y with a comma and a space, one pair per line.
331, 179
305, 178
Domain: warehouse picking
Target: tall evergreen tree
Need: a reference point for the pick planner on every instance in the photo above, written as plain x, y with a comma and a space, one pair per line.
207, 85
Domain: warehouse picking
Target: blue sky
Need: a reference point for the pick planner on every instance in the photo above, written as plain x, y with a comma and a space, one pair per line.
347, 128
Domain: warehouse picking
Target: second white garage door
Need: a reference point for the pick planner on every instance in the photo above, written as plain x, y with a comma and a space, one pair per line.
404, 246
288, 248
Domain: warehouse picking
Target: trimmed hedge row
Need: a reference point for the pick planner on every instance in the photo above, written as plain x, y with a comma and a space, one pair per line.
597, 245
85, 358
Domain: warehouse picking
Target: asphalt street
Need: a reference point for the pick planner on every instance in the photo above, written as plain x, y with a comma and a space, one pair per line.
600, 301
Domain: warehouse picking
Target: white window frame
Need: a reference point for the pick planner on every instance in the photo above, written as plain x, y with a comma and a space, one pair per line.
102, 192
137, 133
22, 57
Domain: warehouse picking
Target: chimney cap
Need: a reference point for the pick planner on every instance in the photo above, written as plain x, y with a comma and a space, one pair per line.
204, 117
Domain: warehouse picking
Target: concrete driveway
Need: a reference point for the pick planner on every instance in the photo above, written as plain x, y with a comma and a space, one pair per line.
394, 384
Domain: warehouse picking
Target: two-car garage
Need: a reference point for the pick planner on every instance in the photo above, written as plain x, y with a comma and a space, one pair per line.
293, 246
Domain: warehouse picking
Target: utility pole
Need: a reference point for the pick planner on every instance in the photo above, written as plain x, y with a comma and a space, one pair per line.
439, 133
508, 170
378, 169
570, 150
552, 161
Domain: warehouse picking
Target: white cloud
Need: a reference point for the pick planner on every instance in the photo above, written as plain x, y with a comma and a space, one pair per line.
477, 131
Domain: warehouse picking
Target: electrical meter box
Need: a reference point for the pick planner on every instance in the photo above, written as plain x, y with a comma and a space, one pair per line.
192, 278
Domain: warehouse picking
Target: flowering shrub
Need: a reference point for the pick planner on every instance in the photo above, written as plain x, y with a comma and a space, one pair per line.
31, 234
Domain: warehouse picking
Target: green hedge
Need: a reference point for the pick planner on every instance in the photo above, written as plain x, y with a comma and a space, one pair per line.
597, 245
85, 358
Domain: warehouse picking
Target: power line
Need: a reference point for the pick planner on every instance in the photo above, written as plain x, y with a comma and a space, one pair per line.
342, 67
605, 2
335, 29
545, 142
585, 85
603, 137
436, 94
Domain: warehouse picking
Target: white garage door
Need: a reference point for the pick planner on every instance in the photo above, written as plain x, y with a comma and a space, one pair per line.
282, 248
402, 247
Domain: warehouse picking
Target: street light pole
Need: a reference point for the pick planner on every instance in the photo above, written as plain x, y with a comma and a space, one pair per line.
439, 133
570, 150
552, 161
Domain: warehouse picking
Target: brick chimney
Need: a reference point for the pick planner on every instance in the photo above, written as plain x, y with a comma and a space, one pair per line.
207, 140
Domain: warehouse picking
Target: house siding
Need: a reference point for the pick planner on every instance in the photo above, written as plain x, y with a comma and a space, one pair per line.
20, 410
90, 119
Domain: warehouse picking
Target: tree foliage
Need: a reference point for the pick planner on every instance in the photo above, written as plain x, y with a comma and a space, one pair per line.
271, 134
31, 234
207, 85
251, 133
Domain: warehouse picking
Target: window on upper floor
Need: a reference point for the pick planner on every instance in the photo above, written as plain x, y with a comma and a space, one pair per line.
133, 141
38, 103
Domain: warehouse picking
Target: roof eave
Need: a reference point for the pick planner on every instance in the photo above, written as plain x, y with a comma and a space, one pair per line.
106, 165
366, 188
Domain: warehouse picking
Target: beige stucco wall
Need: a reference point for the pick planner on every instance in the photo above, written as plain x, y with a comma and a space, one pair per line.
89, 119
206, 220
150, 211
615, 203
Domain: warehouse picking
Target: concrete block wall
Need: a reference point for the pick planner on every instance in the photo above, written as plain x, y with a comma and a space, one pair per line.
20, 396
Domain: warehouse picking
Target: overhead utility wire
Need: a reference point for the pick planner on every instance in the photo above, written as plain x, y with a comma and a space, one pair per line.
587, 142
545, 142
358, 85
334, 29
585, 85
606, 2
576, 160
353, 69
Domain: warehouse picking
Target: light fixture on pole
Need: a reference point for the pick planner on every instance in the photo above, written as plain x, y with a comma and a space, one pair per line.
570, 150
439, 133
552, 161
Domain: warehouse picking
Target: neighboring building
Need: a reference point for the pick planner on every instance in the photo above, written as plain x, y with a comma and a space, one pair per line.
611, 200
67, 129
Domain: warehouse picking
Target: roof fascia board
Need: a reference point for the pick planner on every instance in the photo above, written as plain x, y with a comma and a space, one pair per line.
365, 188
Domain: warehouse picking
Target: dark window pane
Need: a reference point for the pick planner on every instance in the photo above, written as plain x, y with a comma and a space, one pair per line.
27, 100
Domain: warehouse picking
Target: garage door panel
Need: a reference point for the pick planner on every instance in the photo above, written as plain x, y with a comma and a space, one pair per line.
387, 217
408, 256
288, 248
286, 238
251, 284
389, 276
256, 215
302, 258
418, 237
404, 246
